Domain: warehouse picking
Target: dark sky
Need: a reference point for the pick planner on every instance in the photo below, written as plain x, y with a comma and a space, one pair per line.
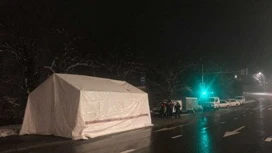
233, 33
227, 32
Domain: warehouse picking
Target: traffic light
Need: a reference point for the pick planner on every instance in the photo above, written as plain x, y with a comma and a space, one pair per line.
203, 94
206, 93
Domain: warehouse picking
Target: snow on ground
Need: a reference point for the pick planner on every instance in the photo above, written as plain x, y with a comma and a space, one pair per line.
9, 130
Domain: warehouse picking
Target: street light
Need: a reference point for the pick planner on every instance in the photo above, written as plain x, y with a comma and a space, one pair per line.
260, 77
235, 76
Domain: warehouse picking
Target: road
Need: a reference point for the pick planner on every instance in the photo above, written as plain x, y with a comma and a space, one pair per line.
244, 129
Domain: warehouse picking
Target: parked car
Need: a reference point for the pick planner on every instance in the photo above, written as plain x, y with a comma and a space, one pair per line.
224, 104
211, 103
241, 99
234, 102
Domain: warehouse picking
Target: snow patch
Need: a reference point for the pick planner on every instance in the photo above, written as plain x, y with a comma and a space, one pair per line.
9, 130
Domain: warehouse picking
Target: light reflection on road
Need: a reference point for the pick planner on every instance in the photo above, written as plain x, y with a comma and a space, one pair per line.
204, 137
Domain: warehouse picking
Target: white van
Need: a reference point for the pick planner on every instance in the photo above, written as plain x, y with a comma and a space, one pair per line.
190, 104
211, 103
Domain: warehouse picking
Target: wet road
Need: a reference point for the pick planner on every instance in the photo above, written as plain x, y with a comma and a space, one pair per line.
244, 129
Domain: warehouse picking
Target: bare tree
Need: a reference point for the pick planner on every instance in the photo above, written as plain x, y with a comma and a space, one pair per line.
120, 64
170, 80
23, 48
67, 57
33, 44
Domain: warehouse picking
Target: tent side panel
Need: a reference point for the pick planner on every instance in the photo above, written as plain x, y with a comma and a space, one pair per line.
65, 108
37, 118
111, 112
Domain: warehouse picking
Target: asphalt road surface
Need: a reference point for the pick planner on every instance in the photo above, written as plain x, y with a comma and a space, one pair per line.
243, 129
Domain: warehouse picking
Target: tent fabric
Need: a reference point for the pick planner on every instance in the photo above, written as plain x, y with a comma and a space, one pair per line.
82, 107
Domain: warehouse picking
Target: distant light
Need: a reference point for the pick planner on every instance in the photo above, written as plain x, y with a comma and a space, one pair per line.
236, 76
212, 92
260, 73
204, 93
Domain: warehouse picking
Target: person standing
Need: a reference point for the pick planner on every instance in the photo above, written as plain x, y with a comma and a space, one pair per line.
163, 110
177, 108
169, 108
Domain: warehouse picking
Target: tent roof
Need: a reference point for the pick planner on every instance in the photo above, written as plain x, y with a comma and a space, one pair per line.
88, 83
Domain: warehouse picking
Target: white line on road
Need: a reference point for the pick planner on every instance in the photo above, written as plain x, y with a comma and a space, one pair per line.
127, 151
171, 128
174, 137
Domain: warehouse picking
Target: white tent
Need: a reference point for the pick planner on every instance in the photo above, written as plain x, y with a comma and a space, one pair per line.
82, 107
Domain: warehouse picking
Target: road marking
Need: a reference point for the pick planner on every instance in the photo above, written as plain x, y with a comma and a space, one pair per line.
174, 137
127, 151
230, 133
268, 139
163, 129
171, 128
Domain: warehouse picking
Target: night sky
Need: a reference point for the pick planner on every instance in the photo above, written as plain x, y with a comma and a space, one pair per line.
234, 34
226, 32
